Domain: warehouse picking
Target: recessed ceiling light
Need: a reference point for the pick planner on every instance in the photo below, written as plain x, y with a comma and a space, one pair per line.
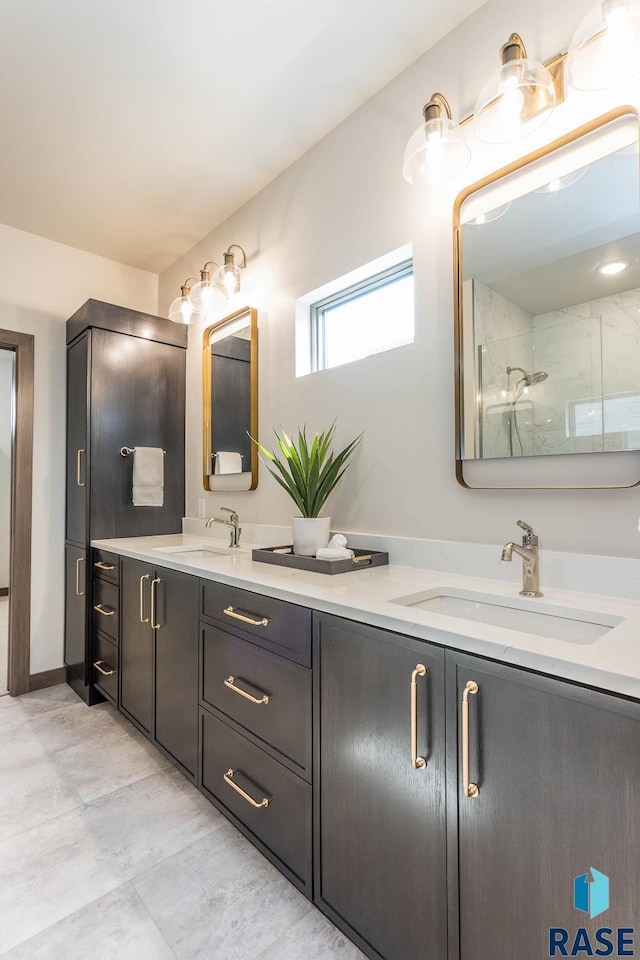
610, 269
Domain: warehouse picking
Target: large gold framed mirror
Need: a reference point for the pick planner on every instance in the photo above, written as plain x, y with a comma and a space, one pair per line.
547, 315
230, 402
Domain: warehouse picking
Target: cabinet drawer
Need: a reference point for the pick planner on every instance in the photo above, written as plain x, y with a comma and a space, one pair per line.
282, 627
234, 670
105, 608
105, 666
282, 825
105, 565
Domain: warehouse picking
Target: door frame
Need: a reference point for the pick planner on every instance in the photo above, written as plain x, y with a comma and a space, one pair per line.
22, 345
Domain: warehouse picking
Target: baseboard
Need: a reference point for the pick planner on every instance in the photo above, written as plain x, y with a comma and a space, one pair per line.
4, 591
48, 678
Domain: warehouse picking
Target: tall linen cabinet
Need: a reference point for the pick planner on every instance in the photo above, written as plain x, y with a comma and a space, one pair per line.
126, 374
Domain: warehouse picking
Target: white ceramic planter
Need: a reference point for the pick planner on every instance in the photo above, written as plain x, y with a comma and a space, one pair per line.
310, 534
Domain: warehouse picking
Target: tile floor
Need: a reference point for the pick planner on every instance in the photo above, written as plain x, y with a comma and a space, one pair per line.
4, 643
106, 851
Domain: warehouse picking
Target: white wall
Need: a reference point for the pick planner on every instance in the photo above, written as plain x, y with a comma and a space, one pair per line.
41, 284
345, 203
6, 402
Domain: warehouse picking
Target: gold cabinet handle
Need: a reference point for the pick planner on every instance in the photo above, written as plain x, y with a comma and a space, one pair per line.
418, 763
79, 592
228, 779
153, 610
143, 619
469, 789
104, 566
79, 480
237, 615
105, 673
98, 607
230, 682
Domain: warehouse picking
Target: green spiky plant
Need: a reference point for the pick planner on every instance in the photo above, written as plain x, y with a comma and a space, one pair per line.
309, 472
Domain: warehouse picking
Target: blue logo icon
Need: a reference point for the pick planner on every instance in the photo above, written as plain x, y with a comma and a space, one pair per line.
591, 893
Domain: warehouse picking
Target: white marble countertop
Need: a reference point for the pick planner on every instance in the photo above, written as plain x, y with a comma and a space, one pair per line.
611, 662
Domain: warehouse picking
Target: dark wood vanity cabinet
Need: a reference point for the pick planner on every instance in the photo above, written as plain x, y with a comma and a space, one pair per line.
557, 769
380, 848
159, 657
76, 617
125, 388
255, 721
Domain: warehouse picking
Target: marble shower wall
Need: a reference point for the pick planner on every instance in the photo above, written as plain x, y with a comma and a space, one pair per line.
590, 400
504, 338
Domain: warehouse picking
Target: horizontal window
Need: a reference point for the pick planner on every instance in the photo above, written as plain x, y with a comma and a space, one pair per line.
368, 317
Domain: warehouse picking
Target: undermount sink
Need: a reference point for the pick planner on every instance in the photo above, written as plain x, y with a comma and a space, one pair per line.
527, 616
198, 551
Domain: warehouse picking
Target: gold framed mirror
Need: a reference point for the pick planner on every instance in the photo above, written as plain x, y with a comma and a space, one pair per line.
230, 402
547, 333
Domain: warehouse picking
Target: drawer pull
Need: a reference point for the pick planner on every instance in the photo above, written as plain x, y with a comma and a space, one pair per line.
105, 673
418, 763
227, 777
79, 592
230, 683
103, 610
104, 566
469, 789
230, 612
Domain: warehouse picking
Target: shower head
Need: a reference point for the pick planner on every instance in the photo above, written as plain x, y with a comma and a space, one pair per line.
529, 379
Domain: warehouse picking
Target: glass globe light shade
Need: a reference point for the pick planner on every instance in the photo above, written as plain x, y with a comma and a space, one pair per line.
181, 310
228, 279
605, 48
516, 100
436, 153
203, 297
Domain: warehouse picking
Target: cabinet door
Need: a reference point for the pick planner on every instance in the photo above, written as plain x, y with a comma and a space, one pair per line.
136, 643
138, 400
176, 666
77, 441
380, 831
75, 629
558, 774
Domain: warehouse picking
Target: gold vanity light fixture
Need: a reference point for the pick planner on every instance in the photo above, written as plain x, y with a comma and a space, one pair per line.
228, 277
181, 309
605, 48
436, 151
517, 98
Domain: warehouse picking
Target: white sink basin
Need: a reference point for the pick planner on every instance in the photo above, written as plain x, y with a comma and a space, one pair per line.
198, 551
528, 616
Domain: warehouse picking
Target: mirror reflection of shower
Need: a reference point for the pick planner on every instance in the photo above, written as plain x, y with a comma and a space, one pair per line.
527, 380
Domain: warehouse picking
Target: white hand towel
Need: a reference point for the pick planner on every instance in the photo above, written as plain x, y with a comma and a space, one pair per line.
232, 481
225, 461
334, 553
148, 477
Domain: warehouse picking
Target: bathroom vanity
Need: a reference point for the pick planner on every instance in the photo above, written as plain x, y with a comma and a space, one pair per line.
406, 769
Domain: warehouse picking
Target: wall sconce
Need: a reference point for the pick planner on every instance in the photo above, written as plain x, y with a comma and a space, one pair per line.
517, 98
198, 298
605, 49
436, 151
228, 277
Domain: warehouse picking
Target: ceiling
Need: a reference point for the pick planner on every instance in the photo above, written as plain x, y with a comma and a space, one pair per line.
131, 128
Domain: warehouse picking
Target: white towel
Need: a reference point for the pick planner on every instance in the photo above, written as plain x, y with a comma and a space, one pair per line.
225, 461
148, 477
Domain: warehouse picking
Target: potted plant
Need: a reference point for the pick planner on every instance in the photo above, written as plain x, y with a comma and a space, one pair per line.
309, 472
